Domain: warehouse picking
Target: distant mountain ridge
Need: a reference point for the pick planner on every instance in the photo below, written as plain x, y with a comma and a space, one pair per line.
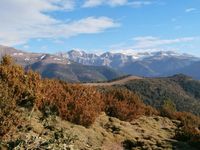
145, 64
148, 64
53, 66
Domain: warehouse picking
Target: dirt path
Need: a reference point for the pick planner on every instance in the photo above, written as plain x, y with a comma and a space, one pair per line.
117, 82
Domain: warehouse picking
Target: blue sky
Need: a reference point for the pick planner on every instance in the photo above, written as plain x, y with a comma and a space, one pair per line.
101, 25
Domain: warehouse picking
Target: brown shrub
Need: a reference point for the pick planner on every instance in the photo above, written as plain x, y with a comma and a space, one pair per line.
78, 104
7, 60
150, 111
22, 85
189, 130
124, 104
9, 117
75, 103
85, 104
190, 122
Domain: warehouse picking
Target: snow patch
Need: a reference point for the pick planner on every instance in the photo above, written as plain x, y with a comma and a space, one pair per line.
18, 54
58, 59
27, 59
42, 57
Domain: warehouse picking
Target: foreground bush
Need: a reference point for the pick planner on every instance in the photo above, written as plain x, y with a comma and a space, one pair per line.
75, 103
9, 116
23, 86
80, 105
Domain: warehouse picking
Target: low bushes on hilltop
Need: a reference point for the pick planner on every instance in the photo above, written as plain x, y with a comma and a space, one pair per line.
80, 105
72, 102
125, 105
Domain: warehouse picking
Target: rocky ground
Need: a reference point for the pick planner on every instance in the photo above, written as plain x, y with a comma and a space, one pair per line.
107, 133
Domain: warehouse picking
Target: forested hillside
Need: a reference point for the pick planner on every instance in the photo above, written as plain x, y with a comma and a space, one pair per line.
182, 90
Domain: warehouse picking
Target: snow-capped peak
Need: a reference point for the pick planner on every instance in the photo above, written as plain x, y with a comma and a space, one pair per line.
121, 57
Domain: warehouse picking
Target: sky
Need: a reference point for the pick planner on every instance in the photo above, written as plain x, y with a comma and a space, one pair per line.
97, 26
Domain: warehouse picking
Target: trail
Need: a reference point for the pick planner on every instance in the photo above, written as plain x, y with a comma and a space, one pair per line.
116, 82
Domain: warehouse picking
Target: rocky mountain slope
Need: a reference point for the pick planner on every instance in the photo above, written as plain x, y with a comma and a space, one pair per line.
52, 66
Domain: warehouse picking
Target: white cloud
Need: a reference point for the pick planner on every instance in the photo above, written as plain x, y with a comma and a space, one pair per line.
174, 19
140, 3
26, 46
148, 42
113, 3
93, 3
117, 2
188, 10
22, 20
87, 25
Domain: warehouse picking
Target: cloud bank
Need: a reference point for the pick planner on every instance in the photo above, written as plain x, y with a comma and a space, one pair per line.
151, 43
22, 20
148, 42
114, 3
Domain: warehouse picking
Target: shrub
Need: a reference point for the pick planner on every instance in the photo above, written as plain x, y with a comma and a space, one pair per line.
190, 127
124, 104
75, 103
189, 130
7, 115
7, 60
169, 105
168, 108
78, 104
84, 105
15, 87
22, 85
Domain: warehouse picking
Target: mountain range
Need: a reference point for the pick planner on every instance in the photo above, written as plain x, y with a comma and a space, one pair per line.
147, 64
53, 66
79, 66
